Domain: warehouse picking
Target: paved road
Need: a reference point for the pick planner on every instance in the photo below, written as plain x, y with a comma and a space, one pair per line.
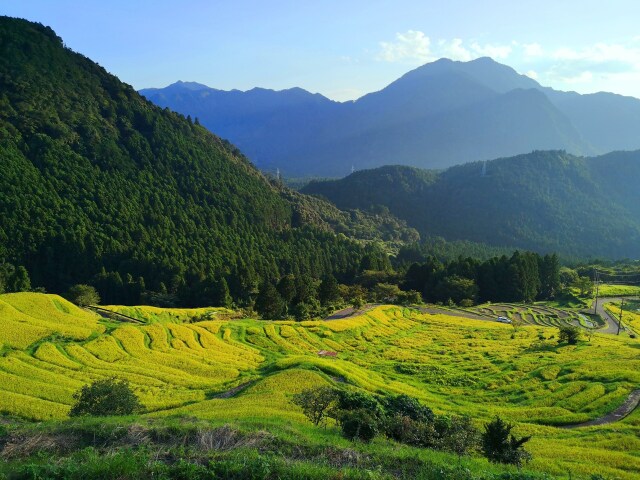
629, 405
612, 323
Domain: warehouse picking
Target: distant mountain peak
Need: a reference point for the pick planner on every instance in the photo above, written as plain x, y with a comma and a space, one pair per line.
195, 86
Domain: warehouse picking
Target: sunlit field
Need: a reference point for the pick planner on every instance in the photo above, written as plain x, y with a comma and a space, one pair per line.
50, 348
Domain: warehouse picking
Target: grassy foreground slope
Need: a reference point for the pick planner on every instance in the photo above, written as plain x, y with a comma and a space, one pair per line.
452, 364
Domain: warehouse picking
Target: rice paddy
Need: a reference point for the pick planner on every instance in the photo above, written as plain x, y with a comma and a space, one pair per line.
179, 366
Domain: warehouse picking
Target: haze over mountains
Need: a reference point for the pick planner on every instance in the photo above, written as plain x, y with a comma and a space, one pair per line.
438, 115
545, 201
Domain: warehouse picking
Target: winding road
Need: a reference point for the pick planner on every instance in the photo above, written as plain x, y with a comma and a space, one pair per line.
629, 405
612, 323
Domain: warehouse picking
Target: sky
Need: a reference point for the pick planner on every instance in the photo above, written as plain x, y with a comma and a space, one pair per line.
345, 49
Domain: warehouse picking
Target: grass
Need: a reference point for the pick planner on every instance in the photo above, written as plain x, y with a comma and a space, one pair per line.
452, 364
606, 290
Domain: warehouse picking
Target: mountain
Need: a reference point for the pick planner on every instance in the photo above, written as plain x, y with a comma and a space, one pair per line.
438, 115
97, 181
545, 201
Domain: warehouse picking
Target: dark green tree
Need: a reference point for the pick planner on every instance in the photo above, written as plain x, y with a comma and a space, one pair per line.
222, 295
328, 293
287, 288
83, 295
269, 303
316, 403
569, 334
19, 281
500, 446
104, 398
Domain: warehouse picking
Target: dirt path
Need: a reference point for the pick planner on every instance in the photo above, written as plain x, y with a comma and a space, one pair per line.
232, 392
612, 323
110, 315
619, 413
350, 311
456, 313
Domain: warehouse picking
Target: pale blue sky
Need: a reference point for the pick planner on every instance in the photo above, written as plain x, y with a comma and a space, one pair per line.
344, 49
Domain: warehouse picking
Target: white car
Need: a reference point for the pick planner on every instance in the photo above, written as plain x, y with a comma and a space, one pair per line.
503, 320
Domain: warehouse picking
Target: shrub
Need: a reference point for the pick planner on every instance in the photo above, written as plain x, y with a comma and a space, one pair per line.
406, 406
359, 425
569, 334
316, 403
83, 295
461, 436
500, 446
349, 400
105, 397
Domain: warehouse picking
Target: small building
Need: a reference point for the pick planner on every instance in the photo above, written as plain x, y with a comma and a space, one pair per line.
326, 353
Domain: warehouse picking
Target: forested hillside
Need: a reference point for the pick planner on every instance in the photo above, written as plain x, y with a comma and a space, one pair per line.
99, 185
544, 201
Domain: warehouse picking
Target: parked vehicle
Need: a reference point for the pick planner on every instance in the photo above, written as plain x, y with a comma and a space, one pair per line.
503, 320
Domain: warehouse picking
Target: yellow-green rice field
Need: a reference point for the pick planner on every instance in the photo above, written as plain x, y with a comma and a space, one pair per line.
176, 365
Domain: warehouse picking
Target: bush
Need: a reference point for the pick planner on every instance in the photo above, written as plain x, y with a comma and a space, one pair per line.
104, 398
359, 425
83, 295
406, 406
349, 400
569, 334
316, 403
499, 446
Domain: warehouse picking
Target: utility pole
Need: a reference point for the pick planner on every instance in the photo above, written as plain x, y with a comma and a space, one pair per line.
595, 304
620, 321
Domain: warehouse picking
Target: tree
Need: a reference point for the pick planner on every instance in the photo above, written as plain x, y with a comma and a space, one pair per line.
316, 403
456, 288
569, 334
386, 293
83, 295
287, 288
500, 446
269, 303
359, 425
19, 281
221, 295
568, 277
104, 398
328, 292
462, 437
406, 406
585, 285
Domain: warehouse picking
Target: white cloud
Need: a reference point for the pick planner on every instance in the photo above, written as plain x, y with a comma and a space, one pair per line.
601, 53
415, 45
456, 51
532, 74
497, 52
411, 45
532, 50
583, 77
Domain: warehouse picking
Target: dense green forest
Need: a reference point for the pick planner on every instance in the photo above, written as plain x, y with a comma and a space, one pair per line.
100, 186
546, 201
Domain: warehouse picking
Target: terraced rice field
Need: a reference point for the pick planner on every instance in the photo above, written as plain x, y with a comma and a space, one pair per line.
541, 315
452, 364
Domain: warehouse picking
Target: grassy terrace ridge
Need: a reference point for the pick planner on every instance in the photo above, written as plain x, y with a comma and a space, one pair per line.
50, 348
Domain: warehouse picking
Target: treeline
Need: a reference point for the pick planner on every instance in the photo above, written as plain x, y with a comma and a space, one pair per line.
522, 277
